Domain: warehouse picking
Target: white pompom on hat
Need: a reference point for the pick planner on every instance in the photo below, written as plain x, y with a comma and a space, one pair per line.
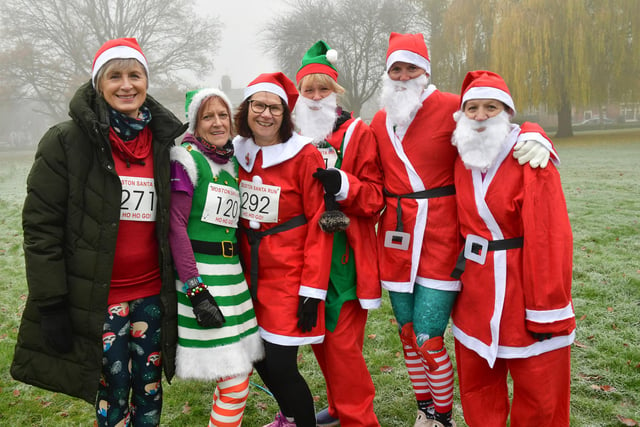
409, 48
482, 84
122, 48
319, 59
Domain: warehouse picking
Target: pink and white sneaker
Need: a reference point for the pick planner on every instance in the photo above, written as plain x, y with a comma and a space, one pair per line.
280, 421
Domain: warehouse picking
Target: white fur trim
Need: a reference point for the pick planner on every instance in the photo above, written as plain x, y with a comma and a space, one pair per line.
489, 93
266, 87
370, 304
180, 154
289, 340
117, 52
550, 316
246, 151
307, 291
197, 101
410, 58
444, 285
219, 362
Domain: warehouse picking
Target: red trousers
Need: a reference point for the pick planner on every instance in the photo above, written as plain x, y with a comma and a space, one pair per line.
350, 390
541, 389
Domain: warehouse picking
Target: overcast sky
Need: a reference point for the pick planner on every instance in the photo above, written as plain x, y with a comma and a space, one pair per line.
240, 52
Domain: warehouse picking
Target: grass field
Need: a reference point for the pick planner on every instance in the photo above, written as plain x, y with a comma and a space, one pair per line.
601, 179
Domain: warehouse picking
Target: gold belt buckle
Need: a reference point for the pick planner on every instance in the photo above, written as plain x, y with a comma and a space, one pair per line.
227, 248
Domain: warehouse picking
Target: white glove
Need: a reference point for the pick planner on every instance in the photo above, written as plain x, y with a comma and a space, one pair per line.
533, 152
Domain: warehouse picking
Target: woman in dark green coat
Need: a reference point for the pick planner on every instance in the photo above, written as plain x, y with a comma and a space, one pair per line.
100, 321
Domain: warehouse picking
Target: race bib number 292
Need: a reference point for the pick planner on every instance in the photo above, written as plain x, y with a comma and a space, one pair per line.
138, 201
259, 202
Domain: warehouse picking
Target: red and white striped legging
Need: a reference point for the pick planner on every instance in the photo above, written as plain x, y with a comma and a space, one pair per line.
229, 401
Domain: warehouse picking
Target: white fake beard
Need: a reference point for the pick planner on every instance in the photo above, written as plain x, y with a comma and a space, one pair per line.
480, 150
401, 99
317, 118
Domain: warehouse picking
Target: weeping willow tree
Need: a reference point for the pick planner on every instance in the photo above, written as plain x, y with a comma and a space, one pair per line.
461, 32
557, 54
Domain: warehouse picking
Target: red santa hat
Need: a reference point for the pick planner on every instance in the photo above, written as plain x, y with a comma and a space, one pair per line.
276, 83
409, 48
481, 84
123, 48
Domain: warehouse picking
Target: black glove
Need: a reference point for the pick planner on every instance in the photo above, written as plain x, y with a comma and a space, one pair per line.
330, 179
307, 313
55, 324
540, 336
208, 314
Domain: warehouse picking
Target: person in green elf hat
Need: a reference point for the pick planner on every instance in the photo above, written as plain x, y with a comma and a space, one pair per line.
353, 179
218, 336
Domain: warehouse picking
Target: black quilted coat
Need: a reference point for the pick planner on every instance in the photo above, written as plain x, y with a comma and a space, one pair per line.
70, 221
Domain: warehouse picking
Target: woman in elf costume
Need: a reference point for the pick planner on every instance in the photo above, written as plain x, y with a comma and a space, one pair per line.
217, 330
352, 180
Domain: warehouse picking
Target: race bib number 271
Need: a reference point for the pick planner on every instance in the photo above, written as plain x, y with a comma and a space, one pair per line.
138, 201
259, 202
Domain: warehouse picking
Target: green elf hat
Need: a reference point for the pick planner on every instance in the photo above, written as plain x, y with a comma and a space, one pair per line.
195, 98
319, 59
188, 98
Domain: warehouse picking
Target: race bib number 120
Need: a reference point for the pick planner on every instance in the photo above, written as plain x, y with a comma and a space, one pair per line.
222, 206
259, 202
138, 201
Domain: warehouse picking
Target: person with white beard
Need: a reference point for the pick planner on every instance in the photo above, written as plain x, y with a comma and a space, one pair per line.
514, 316
418, 233
353, 181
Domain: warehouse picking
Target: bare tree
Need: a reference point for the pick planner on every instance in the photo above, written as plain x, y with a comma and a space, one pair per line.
358, 29
49, 45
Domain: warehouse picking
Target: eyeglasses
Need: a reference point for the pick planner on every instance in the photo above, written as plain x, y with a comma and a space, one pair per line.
259, 107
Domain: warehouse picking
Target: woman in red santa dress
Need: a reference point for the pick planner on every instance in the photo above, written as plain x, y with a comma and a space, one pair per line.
514, 316
287, 256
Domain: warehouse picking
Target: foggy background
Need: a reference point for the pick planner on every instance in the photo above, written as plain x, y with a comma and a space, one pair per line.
570, 65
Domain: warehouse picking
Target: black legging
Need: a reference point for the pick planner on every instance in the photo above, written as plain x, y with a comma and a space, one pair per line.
279, 372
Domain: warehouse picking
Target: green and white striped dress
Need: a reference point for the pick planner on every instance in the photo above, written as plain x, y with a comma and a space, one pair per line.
215, 353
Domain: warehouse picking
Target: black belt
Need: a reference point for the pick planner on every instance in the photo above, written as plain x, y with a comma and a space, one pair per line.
476, 248
225, 248
254, 238
447, 190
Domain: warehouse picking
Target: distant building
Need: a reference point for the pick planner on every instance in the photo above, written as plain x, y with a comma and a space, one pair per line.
234, 95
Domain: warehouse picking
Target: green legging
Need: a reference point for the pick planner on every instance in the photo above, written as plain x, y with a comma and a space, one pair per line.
427, 308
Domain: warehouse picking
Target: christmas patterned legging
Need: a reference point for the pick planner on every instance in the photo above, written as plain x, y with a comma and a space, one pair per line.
131, 363
422, 319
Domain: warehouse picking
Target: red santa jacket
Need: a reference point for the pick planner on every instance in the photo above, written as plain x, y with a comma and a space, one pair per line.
292, 263
361, 200
422, 160
520, 290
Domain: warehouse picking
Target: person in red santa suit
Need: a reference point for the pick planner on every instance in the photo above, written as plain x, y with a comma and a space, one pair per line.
287, 256
418, 234
514, 316
352, 181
